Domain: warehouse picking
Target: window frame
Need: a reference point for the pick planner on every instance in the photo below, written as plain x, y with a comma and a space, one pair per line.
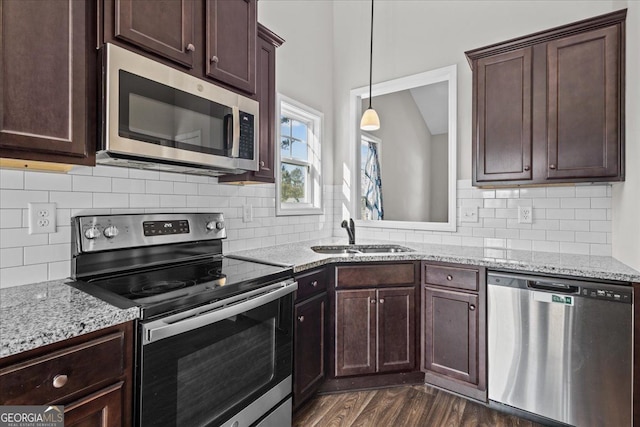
298, 111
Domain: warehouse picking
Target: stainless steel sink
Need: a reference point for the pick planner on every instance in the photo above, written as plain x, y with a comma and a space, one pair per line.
360, 249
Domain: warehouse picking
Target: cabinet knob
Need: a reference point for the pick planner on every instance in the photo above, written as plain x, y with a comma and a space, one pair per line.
215, 59
59, 381
373, 301
449, 277
526, 168
300, 319
472, 307
381, 300
191, 48
261, 163
314, 283
552, 166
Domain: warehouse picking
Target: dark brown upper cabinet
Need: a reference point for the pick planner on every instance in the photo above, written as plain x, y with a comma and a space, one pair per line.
48, 114
549, 107
231, 42
164, 27
266, 96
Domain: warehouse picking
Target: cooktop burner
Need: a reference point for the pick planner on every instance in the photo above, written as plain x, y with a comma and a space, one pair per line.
162, 263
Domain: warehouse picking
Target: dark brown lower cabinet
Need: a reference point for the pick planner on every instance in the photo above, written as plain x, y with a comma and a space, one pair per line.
375, 331
100, 409
454, 328
309, 347
451, 333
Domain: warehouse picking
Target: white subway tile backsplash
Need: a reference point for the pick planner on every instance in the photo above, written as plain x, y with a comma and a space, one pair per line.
94, 184
185, 188
111, 200
21, 198
600, 203
560, 214
506, 213
574, 248
561, 192
507, 233
11, 179
127, 185
59, 270
523, 245
574, 225
47, 181
170, 176
11, 257
494, 203
533, 193
47, 253
495, 243
546, 203
71, 200
545, 246
591, 237
600, 250
110, 171
579, 202
508, 193
533, 234
62, 235
158, 187
561, 236
144, 200
591, 191
10, 218
602, 226
14, 276
592, 214
515, 203
146, 174
19, 237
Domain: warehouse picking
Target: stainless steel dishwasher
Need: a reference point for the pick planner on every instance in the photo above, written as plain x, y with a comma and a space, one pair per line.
560, 348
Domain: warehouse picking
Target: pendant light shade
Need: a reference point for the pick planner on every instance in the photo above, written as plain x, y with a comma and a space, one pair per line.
370, 120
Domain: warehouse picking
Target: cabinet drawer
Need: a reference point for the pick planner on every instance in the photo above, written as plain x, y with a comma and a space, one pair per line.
374, 275
451, 277
310, 284
42, 380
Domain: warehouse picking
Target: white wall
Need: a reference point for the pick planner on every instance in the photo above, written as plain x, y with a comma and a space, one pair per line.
626, 195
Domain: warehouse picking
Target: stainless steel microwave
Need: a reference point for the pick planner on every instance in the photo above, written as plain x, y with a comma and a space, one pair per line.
154, 116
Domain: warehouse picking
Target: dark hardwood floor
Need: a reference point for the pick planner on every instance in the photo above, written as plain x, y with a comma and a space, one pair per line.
414, 406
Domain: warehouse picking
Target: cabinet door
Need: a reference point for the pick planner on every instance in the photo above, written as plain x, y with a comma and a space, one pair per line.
231, 42
355, 332
451, 333
164, 27
266, 91
396, 329
100, 409
309, 339
502, 140
48, 81
584, 105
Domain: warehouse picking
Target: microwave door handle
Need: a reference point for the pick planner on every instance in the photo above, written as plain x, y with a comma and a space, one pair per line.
235, 142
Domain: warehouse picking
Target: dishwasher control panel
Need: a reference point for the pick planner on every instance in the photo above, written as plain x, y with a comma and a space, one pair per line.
606, 294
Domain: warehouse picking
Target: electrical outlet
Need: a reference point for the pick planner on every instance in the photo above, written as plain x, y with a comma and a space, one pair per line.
247, 213
42, 218
525, 214
469, 214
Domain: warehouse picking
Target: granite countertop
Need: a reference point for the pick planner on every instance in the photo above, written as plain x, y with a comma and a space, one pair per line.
595, 267
43, 313
35, 315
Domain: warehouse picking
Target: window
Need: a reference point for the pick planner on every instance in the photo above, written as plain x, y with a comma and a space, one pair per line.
299, 189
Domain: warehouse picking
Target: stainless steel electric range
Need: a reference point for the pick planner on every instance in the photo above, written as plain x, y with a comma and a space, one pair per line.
215, 332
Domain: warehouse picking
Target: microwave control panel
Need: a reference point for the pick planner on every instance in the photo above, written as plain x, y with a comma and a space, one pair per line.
246, 135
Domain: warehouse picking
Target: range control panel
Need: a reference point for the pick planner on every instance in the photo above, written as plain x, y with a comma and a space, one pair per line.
107, 232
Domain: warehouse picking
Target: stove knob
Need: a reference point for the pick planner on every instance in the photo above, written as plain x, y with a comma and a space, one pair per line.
92, 233
111, 232
213, 225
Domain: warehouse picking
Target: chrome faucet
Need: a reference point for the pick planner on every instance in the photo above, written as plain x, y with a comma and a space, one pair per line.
351, 230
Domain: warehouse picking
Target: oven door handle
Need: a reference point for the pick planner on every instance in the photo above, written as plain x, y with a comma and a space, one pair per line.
165, 328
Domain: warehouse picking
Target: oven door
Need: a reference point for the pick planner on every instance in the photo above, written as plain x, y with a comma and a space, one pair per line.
220, 364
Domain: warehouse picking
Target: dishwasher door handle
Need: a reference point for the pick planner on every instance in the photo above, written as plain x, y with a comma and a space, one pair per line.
553, 287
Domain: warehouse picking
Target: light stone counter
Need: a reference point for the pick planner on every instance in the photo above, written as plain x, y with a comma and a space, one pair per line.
594, 267
43, 313
35, 315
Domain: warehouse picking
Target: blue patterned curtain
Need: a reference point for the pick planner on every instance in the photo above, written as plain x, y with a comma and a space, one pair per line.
372, 192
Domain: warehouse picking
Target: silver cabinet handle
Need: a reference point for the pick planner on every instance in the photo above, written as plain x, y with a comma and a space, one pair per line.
215, 59
301, 319
59, 381
552, 166
381, 300
314, 283
373, 301
472, 307
449, 277
261, 163
526, 168
191, 48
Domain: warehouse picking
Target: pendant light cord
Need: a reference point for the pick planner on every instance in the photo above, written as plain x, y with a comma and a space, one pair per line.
371, 57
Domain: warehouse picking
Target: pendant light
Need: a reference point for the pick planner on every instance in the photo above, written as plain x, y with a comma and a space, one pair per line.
370, 120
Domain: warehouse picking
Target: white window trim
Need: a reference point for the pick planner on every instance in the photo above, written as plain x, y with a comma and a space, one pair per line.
315, 145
